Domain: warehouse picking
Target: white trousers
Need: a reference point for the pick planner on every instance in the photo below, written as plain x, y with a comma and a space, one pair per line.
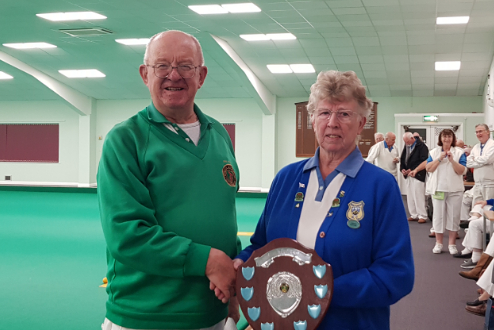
466, 205
109, 325
416, 198
482, 193
447, 212
473, 237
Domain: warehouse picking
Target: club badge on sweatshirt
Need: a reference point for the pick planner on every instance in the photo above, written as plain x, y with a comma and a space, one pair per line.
229, 175
355, 213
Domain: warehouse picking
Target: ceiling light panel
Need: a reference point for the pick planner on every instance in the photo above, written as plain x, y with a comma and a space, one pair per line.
133, 42
279, 68
271, 36
72, 16
91, 73
208, 9
448, 66
4, 76
241, 8
302, 68
30, 45
453, 20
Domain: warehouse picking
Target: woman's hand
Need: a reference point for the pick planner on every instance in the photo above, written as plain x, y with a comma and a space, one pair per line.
482, 203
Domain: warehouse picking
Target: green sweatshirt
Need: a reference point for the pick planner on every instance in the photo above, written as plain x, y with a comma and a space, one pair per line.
164, 202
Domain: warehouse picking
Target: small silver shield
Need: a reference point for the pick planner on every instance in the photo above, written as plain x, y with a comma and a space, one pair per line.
284, 292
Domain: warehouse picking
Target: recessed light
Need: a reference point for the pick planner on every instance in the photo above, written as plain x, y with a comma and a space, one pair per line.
453, 20
3, 75
241, 8
209, 9
281, 36
30, 45
448, 66
91, 73
131, 42
302, 68
279, 68
71, 16
271, 36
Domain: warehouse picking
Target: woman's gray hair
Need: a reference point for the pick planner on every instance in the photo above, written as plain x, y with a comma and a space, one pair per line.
199, 48
339, 86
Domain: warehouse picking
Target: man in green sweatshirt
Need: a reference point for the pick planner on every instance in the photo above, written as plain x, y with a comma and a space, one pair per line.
167, 181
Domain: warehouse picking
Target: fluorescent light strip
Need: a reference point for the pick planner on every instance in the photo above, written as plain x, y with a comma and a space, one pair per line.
453, 20
233, 8
448, 66
91, 73
241, 8
272, 36
209, 9
302, 68
4, 76
132, 42
30, 45
71, 16
279, 68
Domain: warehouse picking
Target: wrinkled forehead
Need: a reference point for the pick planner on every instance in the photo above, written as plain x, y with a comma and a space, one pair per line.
169, 46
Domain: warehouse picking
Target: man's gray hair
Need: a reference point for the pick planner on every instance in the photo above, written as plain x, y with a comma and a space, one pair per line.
484, 126
146, 53
378, 134
407, 135
387, 134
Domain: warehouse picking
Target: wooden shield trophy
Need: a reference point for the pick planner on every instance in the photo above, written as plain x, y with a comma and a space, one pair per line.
284, 285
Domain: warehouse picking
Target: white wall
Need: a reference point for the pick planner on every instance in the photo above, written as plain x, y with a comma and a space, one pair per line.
244, 113
45, 112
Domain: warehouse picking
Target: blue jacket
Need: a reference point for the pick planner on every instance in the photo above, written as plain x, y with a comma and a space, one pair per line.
372, 265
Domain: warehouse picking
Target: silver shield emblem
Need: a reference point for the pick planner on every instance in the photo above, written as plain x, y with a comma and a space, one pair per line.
284, 292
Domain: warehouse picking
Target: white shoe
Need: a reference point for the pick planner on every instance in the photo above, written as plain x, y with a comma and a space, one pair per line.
437, 248
452, 249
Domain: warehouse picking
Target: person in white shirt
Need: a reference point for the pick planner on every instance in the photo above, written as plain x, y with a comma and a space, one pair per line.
378, 137
481, 159
446, 164
385, 155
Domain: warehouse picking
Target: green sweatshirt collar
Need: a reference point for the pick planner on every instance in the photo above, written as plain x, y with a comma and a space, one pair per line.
157, 117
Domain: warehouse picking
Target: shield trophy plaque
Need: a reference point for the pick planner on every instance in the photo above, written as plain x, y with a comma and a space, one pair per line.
284, 285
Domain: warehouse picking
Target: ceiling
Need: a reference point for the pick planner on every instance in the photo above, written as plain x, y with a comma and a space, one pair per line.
391, 45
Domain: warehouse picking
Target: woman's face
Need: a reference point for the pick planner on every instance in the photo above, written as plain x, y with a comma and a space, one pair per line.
337, 134
446, 140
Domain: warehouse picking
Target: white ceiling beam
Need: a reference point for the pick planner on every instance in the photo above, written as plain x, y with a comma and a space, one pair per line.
79, 102
264, 98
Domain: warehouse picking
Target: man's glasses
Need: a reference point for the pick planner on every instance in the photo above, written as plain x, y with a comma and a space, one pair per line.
343, 116
163, 70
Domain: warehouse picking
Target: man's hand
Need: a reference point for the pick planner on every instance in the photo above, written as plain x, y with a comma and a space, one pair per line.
220, 272
396, 160
233, 309
412, 173
236, 263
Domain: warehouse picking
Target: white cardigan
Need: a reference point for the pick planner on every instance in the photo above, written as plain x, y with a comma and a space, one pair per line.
455, 181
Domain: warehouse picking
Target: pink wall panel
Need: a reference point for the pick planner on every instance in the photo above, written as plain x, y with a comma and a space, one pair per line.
31, 143
230, 128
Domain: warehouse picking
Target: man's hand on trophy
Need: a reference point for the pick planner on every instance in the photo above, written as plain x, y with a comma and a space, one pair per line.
220, 272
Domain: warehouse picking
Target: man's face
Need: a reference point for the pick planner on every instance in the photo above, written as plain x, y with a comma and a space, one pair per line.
333, 135
379, 138
482, 134
173, 92
409, 141
390, 140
